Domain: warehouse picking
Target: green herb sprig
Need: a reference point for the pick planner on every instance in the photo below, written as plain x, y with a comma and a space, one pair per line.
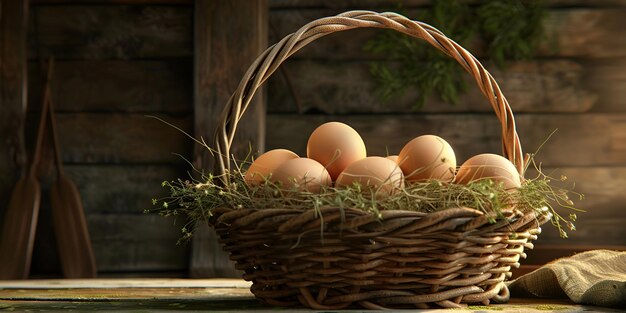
510, 29
195, 201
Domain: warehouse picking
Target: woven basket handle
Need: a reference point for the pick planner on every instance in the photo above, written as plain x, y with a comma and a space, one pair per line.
274, 56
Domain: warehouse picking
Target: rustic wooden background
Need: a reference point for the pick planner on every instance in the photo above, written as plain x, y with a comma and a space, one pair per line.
118, 61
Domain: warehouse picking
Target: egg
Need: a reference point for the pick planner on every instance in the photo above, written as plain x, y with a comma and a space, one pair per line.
427, 157
302, 174
265, 164
335, 145
377, 172
392, 158
491, 166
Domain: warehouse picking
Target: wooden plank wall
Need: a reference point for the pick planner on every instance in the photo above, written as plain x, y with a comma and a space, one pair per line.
118, 61
577, 88
13, 18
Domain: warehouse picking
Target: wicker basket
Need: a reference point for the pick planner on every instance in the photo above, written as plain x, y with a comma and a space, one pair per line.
404, 260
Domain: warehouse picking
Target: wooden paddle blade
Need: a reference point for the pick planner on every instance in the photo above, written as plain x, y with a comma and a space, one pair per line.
18, 231
74, 244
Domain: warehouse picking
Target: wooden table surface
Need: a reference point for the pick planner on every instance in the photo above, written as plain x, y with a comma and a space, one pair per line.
190, 295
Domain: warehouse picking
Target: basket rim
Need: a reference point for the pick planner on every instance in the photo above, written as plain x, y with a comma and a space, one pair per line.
470, 218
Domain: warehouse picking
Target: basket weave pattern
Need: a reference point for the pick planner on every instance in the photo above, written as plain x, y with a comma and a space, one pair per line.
335, 257
410, 259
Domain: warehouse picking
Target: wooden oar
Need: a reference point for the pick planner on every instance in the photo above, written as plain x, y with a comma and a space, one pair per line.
20, 219
68, 217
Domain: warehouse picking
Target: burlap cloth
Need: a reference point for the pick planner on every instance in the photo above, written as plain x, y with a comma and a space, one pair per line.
596, 277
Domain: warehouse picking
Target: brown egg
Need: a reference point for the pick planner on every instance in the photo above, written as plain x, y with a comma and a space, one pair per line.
392, 158
492, 166
301, 174
427, 157
335, 145
265, 164
376, 172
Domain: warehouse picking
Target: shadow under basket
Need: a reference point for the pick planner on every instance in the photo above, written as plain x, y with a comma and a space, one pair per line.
333, 258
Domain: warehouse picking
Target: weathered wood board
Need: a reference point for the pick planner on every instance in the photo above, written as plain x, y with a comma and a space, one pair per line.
119, 138
122, 138
13, 91
229, 35
342, 87
108, 283
122, 243
124, 239
607, 77
587, 33
576, 33
111, 31
131, 293
122, 189
603, 136
602, 188
133, 86
225, 48
208, 296
544, 252
603, 203
589, 232
602, 223
250, 305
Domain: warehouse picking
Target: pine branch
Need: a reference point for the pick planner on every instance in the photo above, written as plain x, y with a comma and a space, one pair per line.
512, 29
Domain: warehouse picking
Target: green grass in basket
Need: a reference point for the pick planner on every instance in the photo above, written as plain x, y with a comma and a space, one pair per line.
195, 200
